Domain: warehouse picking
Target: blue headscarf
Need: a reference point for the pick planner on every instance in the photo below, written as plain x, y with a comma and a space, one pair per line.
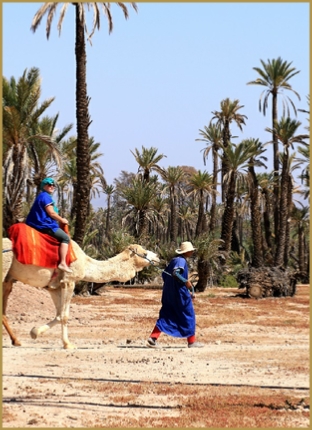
49, 181
46, 181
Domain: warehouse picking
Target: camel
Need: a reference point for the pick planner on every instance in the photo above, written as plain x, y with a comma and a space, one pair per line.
60, 285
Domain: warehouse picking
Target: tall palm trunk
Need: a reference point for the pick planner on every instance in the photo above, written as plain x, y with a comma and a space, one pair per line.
267, 229
204, 273
107, 226
275, 162
201, 220
213, 210
236, 244
257, 260
224, 163
289, 206
143, 225
228, 216
301, 249
283, 213
83, 122
173, 216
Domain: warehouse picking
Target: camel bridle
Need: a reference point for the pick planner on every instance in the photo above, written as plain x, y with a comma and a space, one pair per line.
142, 256
163, 271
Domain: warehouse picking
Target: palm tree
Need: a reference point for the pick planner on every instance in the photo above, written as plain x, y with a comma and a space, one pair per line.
291, 191
67, 186
238, 157
148, 161
265, 183
304, 151
187, 222
172, 176
274, 77
212, 135
98, 181
228, 113
158, 219
68, 180
201, 184
139, 196
82, 99
21, 113
300, 220
255, 160
47, 161
109, 191
285, 131
208, 254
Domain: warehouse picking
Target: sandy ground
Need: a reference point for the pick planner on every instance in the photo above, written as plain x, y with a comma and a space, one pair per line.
255, 362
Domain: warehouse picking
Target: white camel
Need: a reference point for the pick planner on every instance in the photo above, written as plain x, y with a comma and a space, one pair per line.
60, 285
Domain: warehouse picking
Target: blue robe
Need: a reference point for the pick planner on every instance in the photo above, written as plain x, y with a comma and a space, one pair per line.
176, 316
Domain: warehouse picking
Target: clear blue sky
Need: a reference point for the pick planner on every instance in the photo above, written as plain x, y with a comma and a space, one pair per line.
156, 79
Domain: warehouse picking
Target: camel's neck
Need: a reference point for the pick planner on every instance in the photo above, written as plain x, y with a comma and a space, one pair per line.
119, 268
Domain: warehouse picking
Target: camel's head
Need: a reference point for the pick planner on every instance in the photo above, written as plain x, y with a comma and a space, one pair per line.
144, 257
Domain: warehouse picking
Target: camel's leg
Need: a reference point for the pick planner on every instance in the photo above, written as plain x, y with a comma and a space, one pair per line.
14, 339
61, 298
67, 294
56, 297
7, 286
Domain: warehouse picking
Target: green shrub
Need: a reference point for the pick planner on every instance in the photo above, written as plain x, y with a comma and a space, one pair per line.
228, 281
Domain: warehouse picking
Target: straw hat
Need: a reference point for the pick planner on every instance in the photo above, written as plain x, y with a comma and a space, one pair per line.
185, 247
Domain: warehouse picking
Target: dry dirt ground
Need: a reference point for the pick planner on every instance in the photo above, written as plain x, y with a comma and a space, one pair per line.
252, 372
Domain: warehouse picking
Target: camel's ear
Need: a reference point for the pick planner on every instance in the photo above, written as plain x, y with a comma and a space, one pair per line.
132, 249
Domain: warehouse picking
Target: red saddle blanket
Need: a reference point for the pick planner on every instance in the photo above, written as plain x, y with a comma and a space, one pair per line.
32, 247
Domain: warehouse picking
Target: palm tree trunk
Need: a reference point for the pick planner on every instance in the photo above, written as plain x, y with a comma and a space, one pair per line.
301, 258
83, 122
63, 204
224, 163
257, 260
173, 217
213, 209
267, 230
143, 226
228, 216
204, 272
275, 163
283, 213
289, 205
235, 240
200, 219
107, 229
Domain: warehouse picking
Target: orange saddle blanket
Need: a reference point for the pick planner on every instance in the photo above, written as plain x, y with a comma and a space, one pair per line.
32, 247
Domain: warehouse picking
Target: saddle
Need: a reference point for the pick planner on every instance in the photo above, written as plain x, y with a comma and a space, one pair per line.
38, 249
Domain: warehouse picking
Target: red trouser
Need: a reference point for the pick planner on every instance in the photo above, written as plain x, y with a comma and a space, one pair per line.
156, 333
